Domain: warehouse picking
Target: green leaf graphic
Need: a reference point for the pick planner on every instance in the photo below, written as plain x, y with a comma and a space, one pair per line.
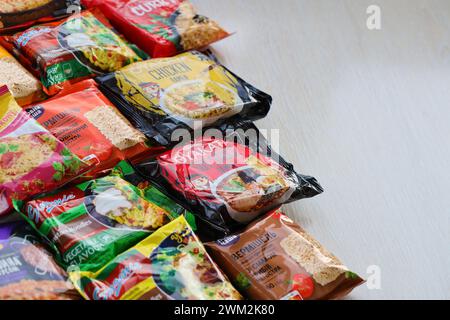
58, 166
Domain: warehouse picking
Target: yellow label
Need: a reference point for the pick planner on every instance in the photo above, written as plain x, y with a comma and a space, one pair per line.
9, 109
146, 246
189, 86
4, 53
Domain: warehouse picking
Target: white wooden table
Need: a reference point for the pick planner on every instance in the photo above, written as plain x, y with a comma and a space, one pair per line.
367, 113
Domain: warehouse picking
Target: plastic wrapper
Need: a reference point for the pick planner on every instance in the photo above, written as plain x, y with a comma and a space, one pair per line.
91, 127
228, 181
27, 269
32, 161
91, 223
275, 259
25, 88
171, 264
20, 14
161, 28
64, 52
160, 96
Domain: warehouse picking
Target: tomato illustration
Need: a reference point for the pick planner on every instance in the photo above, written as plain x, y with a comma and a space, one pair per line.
304, 284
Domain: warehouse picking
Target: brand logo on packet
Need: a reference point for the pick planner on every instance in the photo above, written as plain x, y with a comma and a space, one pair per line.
148, 6
27, 36
228, 241
36, 112
216, 151
49, 206
114, 289
34, 213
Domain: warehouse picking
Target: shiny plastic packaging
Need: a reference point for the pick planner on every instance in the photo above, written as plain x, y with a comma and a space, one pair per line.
164, 96
228, 181
25, 88
171, 264
91, 127
161, 28
91, 223
27, 269
32, 161
64, 52
275, 259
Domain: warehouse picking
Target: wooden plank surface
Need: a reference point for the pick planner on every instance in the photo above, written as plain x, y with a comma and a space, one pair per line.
367, 113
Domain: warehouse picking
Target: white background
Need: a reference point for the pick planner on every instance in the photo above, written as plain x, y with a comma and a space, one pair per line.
368, 114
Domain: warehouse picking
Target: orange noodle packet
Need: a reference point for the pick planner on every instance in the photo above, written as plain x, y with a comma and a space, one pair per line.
90, 126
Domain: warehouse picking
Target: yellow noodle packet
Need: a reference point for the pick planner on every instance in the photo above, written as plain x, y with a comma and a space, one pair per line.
171, 264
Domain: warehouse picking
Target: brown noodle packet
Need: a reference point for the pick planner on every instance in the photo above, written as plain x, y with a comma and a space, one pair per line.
275, 259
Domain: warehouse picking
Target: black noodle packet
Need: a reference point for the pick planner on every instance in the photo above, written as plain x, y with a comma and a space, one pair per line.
187, 91
229, 181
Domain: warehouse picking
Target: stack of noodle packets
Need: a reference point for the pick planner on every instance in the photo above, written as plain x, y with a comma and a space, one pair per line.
99, 175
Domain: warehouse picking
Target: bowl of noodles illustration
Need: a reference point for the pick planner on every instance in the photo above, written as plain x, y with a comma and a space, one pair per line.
112, 202
93, 45
251, 190
200, 100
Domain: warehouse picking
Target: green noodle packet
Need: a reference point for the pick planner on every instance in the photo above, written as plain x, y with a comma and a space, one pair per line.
89, 224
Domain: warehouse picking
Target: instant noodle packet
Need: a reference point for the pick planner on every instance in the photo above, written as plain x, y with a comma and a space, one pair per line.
171, 264
228, 181
90, 126
89, 224
25, 88
20, 14
275, 259
32, 161
64, 52
160, 96
162, 28
27, 269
